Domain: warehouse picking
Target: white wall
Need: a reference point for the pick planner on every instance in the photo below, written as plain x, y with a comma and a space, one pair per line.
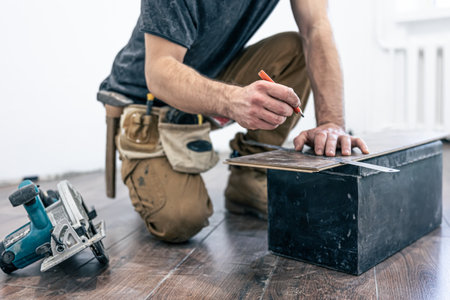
54, 54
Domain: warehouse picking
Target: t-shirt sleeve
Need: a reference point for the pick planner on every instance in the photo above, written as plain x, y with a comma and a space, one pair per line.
169, 19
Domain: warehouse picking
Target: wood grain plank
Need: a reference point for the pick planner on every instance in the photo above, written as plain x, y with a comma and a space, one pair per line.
420, 271
18, 292
297, 280
232, 263
138, 263
379, 144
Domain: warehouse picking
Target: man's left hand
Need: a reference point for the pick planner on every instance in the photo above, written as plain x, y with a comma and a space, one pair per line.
327, 138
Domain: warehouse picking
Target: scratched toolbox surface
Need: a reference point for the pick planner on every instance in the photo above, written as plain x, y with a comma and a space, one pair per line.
350, 218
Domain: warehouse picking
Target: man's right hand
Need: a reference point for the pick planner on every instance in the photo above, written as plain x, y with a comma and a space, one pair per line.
262, 105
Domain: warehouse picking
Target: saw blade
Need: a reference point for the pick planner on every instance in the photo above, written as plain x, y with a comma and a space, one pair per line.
335, 159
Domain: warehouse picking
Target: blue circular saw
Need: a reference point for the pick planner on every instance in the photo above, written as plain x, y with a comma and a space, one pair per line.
60, 226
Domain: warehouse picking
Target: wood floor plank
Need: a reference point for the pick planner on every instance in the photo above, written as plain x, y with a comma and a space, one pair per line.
297, 280
138, 263
18, 292
232, 263
420, 271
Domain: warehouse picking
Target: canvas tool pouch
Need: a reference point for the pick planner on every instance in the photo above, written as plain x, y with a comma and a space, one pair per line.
188, 147
138, 136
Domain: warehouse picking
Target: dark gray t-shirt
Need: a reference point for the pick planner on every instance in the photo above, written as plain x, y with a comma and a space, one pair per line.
213, 31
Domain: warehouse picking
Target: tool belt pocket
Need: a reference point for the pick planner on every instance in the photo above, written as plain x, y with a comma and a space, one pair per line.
188, 147
138, 137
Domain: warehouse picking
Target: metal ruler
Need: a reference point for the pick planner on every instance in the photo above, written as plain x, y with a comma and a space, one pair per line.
334, 159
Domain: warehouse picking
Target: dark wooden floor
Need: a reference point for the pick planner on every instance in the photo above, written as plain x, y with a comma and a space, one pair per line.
226, 260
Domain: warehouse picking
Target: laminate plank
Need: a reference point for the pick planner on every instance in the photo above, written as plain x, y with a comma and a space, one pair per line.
18, 292
232, 263
379, 144
297, 280
420, 271
138, 263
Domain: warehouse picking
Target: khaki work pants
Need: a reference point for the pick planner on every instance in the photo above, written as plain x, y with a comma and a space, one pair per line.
174, 205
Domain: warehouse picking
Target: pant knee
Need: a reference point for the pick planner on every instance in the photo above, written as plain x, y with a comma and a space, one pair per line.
288, 42
179, 224
174, 206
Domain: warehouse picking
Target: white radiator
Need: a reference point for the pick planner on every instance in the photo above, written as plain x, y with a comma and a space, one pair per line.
420, 84
416, 36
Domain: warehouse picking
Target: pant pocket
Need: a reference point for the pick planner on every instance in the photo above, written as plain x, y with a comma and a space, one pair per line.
146, 190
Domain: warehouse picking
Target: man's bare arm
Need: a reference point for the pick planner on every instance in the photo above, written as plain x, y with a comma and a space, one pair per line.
326, 80
260, 105
322, 60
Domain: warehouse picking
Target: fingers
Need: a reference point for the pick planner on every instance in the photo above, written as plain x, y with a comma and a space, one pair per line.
346, 144
358, 142
260, 110
263, 124
300, 140
271, 118
278, 107
320, 140
326, 139
280, 92
260, 118
255, 109
331, 144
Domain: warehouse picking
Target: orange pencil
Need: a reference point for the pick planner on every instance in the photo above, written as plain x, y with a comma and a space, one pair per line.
266, 77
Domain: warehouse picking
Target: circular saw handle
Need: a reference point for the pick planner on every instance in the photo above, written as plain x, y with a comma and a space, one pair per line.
25, 195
